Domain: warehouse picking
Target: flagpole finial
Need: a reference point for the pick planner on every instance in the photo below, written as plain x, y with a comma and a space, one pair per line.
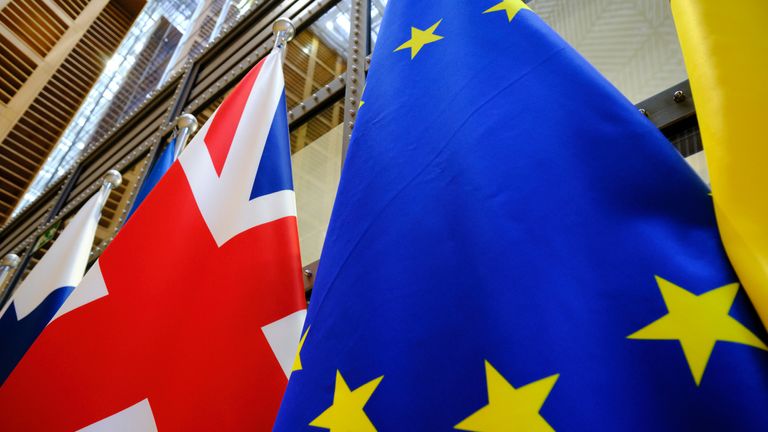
283, 29
112, 178
11, 260
187, 124
187, 121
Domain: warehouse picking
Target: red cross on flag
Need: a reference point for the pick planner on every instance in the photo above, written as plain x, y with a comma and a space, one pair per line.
191, 318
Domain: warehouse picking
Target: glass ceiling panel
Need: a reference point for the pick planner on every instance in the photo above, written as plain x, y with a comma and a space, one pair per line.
73, 142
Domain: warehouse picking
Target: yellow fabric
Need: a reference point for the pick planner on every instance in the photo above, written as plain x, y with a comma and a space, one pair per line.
725, 46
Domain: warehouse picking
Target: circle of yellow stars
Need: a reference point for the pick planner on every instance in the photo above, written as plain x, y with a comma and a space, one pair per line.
698, 322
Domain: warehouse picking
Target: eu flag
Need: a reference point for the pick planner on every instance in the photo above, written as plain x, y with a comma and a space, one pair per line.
515, 247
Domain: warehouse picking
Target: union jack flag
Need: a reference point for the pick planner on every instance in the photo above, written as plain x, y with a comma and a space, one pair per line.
191, 317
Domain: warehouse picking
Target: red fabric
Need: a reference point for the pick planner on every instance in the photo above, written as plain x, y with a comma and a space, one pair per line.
223, 126
181, 326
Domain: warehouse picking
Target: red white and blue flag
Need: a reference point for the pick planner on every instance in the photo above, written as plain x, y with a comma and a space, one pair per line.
191, 318
39, 297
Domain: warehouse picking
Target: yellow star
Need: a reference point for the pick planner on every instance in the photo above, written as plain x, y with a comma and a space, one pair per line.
362, 102
510, 408
346, 413
512, 7
297, 361
698, 322
419, 38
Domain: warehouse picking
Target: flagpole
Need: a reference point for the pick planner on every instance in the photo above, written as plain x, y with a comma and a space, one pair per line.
7, 264
284, 30
187, 124
111, 180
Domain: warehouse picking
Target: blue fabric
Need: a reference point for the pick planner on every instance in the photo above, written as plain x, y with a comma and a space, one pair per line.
274, 173
162, 164
501, 201
16, 336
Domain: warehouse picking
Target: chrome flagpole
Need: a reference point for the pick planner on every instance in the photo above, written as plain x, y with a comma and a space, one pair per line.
7, 266
284, 30
111, 180
187, 124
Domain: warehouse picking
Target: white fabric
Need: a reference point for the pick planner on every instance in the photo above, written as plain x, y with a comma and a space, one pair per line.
224, 201
283, 337
64, 263
91, 288
136, 418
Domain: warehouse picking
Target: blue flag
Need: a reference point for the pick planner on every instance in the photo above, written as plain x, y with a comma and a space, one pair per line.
515, 247
164, 161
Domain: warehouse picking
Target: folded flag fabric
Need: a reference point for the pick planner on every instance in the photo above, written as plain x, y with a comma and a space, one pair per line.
726, 55
515, 247
43, 291
191, 317
161, 166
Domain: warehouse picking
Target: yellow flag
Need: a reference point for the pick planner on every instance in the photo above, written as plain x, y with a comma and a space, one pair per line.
725, 46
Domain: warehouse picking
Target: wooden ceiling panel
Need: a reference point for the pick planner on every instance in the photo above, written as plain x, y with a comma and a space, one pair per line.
37, 131
34, 23
73, 8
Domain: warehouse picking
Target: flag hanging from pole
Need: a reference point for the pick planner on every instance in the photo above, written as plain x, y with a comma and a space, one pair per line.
726, 54
42, 293
514, 246
191, 317
161, 166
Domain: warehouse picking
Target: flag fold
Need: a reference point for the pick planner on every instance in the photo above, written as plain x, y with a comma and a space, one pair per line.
726, 54
515, 247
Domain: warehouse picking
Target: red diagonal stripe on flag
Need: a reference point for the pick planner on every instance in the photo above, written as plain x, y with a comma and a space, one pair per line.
224, 124
181, 327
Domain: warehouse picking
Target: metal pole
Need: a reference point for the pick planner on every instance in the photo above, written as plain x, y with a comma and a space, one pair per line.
111, 180
8, 263
284, 30
187, 124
